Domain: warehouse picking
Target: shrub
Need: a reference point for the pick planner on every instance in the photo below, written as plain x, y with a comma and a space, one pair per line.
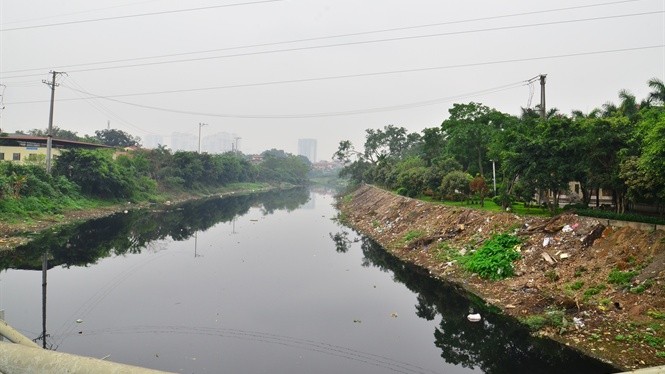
494, 259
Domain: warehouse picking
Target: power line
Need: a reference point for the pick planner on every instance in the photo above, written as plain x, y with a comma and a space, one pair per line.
80, 12
333, 114
358, 42
312, 115
328, 37
359, 75
139, 15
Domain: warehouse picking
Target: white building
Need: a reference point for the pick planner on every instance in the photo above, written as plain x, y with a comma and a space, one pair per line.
307, 148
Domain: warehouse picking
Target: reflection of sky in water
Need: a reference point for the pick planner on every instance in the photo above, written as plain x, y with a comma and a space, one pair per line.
264, 292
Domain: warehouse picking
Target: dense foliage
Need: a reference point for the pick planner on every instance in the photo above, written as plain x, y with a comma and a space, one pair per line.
140, 175
618, 148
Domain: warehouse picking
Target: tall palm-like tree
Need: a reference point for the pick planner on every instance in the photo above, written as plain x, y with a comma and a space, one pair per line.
628, 106
657, 95
609, 109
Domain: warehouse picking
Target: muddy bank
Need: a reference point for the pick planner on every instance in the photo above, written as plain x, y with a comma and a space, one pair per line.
565, 268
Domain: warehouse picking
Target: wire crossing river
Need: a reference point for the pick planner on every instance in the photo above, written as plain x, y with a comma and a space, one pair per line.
265, 283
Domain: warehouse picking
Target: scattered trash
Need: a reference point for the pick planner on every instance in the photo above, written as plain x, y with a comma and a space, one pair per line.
547, 258
564, 255
393, 314
567, 228
510, 306
125, 212
79, 321
578, 322
254, 220
357, 321
474, 317
546, 241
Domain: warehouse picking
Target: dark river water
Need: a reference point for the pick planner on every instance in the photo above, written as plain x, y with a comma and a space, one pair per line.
268, 283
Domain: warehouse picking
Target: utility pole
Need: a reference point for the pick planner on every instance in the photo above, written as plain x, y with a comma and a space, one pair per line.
49, 136
543, 112
201, 125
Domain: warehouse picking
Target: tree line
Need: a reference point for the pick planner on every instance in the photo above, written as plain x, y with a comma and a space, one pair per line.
137, 175
616, 147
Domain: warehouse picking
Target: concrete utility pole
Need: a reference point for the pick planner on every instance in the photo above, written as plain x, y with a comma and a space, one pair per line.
49, 136
201, 125
543, 112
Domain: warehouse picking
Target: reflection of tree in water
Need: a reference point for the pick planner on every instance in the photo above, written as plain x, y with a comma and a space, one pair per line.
83, 244
498, 344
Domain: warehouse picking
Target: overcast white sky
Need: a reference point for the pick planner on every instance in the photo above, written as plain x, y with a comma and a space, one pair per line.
276, 71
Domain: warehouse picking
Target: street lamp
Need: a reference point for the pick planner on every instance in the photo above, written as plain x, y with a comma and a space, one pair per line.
494, 176
201, 125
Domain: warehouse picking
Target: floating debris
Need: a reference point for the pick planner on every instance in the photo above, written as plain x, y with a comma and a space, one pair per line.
393, 314
79, 321
474, 317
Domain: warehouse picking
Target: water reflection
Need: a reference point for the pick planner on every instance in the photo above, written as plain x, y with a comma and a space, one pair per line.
496, 345
84, 244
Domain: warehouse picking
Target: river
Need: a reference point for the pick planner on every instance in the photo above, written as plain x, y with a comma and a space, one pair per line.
264, 283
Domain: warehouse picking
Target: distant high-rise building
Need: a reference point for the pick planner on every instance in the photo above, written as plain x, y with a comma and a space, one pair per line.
307, 148
151, 141
218, 143
184, 142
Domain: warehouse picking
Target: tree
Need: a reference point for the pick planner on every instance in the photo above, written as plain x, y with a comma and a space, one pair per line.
95, 172
57, 133
469, 131
657, 95
117, 138
455, 185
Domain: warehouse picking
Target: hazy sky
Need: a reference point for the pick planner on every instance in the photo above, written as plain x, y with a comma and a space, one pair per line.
276, 71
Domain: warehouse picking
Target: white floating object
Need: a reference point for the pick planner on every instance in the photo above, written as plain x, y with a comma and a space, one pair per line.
79, 321
474, 317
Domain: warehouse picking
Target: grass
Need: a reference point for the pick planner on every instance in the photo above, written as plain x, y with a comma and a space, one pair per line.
518, 208
412, 235
621, 278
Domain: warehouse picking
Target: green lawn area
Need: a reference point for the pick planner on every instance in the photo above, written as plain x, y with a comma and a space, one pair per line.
517, 208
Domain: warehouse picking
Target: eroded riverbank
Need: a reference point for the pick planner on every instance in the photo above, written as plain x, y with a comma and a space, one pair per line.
565, 270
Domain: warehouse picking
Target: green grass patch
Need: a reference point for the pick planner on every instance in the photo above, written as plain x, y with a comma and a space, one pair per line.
494, 259
621, 278
592, 291
576, 286
412, 235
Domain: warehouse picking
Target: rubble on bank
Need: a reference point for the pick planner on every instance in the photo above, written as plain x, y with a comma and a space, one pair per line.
568, 264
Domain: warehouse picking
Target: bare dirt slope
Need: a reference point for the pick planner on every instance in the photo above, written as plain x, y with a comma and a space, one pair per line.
565, 265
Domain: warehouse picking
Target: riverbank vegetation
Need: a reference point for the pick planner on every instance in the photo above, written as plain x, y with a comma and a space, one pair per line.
84, 178
618, 149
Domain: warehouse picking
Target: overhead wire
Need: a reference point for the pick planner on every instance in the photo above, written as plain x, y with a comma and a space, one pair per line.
139, 15
355, 43
322, 37
103, 109
359, 75
80, 12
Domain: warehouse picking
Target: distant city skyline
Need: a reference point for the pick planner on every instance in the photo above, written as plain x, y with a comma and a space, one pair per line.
307, 148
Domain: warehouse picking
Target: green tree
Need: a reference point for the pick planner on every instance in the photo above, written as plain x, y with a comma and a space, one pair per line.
117, 138
455, 185
95, 172
657, 95
57, 132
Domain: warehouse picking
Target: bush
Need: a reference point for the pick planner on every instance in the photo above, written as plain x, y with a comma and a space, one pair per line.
494, 259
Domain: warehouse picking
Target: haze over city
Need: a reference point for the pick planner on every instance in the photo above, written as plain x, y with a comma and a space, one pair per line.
272, 72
